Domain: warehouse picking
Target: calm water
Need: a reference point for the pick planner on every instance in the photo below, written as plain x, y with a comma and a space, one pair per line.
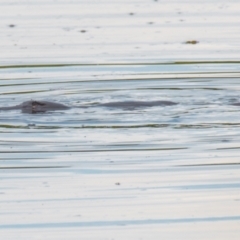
101, 173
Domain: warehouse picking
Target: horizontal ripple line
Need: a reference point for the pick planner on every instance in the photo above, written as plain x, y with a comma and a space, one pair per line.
174, 126
100, 150
27, 167
118, 223
117, 64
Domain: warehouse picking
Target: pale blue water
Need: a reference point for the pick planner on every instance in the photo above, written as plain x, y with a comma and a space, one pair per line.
101, 173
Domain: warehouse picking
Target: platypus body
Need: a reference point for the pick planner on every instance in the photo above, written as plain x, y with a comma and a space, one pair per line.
32, 107
130, 105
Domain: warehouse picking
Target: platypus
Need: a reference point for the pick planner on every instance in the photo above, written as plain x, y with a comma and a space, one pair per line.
32, 106
37, 107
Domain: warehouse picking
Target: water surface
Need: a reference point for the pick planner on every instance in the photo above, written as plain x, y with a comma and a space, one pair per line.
111, 173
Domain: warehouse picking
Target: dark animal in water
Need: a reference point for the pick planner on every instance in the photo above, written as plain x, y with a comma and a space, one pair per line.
235, 104
37, 107
45, 106
130, 105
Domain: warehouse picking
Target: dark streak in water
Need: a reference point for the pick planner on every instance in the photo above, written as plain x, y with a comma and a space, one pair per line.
229, 148
175, 126
27, 167
24, 92
100, 150
117, 64
208, 164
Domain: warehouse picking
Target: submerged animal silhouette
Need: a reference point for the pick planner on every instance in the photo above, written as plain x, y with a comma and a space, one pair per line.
37, 107
45, 106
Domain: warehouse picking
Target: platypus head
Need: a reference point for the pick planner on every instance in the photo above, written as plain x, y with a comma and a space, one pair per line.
34, 107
